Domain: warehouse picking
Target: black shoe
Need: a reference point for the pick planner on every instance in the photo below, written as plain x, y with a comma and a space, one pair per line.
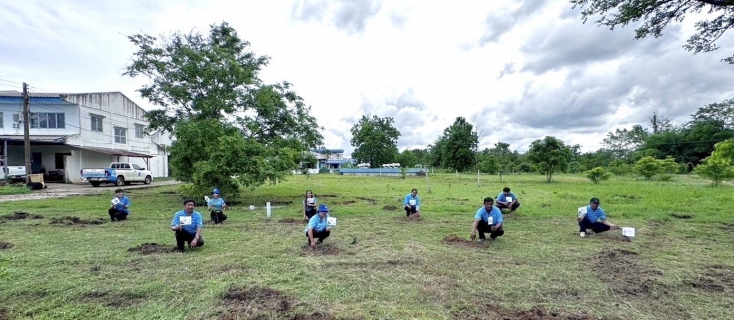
180, 250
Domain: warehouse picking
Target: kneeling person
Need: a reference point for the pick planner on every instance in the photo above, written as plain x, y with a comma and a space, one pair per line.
488, 219
318, 227
412, 203
594, 219
216, 207
187, 224
507, 200
120, 208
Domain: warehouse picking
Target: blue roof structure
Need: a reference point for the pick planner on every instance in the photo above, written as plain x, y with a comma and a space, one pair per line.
322, 151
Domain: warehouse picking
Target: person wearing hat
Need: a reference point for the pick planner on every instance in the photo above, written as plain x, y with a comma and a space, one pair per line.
412, 203
216, 207
187, 225
507, 200
318, 227
594, 219
120, 208
488, 219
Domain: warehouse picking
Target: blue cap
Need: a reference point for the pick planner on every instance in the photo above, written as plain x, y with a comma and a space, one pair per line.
216, 191
323, 208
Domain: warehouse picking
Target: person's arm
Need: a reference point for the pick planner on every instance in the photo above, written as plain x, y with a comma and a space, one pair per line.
417, 204
497, 219
474, 229
603, 218
196, 237
310, 236
175, 225
406, 201
126, 202
224, 205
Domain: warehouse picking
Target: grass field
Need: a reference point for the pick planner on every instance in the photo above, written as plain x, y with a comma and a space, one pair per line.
65, 260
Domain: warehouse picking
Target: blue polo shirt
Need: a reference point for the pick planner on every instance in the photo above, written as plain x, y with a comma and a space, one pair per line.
121, 206
410, 197
597, 215
496, 215
502, 197
216, 204
317, 223
196, 221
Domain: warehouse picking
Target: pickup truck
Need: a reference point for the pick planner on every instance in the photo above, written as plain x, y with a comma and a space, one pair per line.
13, 173
118, 173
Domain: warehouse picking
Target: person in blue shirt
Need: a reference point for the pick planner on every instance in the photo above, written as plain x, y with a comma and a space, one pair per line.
318, 228
507, 200
217, 206
488, 219
594, 219
412, 203
119, 211
309, 205
187, 225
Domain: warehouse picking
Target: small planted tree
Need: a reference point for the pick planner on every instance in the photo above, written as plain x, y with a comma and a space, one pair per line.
598, 174
648, 167
716, 170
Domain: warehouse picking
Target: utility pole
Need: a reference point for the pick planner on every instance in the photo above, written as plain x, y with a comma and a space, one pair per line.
26, 133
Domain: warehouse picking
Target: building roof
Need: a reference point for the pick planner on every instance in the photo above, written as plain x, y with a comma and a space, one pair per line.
35, 138
18, 94
378, 170
321, 151
115, 152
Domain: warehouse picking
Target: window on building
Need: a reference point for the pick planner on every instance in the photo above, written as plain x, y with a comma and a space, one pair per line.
97, 123
48, 120
120, 135
60, 160
139, 131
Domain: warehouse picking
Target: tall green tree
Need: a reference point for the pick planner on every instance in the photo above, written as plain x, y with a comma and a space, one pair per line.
231, 129
375, 140
622, 143
459, 145
658, 14
549, 156
501, 151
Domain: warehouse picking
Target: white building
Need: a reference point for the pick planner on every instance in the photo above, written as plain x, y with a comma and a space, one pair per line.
69, 132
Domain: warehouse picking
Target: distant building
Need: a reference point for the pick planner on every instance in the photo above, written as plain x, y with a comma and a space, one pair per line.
330, 158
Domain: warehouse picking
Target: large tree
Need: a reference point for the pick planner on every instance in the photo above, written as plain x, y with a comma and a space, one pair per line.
459, 145
375, 140
549, 155
658, 14
231, 129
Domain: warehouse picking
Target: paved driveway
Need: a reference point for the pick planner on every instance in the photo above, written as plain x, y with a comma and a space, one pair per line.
59, 190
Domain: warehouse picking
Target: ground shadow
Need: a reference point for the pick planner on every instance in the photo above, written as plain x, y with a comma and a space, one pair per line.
487, 311
76, 221
5, 245
21, 216
453, 240
152, 248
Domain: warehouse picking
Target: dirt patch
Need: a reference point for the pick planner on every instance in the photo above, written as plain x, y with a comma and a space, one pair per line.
412, 218
625, 275
21, 216
390, 208
290, 220
536, 313
4, 315
681, 215
456, 241
370, 201
715, 279
328, 195
114, 299
76, 220
346, 202
152, 248
255, 303
314, 316
326, 249
5, 245
381, 264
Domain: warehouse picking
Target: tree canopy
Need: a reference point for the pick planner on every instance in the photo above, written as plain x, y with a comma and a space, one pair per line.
656, 15
549, 156
458, 145
375, 140
231, 129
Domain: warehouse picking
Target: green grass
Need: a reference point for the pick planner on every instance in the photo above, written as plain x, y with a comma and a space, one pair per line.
674, 269
14, 189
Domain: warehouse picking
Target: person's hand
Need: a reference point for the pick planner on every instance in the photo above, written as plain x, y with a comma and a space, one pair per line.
473, 236
579, 219
614, 226
493, 228
193, 243
313, 244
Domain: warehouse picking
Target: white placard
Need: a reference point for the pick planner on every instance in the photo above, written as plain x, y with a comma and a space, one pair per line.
115, 201
411, 202
252, 207
184, 220
331, 221
628, 232
508, 199
311, 200
490, 221
582, 212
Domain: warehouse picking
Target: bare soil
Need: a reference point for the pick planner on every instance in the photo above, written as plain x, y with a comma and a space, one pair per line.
113, 299
681, 215
453, 240
264, 303
5, 245
481, 312
389, 208
621, 270
76, 221
4, 315
346, 202
21, 216
370, 201
412, 218
324, 249
328, 195
714, 279
152, 248
290, 220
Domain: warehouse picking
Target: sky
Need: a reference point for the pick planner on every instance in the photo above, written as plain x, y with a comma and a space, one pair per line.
517, 70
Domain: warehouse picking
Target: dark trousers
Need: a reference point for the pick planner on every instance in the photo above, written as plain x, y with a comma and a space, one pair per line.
318, 235
117, 215
218, 217
310, 212
598, 227
410, 210
503, 206
483, 228
183, 236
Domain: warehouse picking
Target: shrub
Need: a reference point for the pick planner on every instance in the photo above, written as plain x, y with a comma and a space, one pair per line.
598, 174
